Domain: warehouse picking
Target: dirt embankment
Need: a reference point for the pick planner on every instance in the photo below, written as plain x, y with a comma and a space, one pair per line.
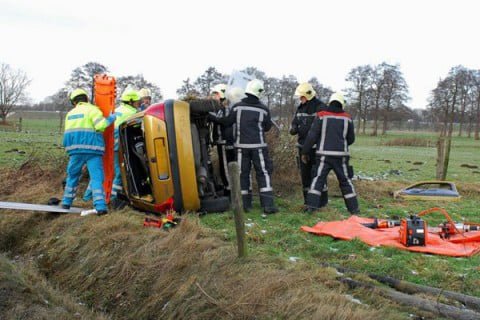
121, 270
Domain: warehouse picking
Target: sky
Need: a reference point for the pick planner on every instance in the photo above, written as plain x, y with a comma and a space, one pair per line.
169, 41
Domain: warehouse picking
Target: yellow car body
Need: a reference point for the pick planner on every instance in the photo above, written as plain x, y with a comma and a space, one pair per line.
157, 158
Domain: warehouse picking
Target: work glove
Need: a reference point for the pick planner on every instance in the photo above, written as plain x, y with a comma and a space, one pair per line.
305, 158
112, 117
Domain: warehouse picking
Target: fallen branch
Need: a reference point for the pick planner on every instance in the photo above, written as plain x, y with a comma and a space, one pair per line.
441, 309
411, 288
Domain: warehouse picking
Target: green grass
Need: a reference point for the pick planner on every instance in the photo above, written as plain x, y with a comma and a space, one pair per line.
280, 236
369, 155
40, 139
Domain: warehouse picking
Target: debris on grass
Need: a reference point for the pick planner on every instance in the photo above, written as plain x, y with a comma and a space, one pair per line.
469, 166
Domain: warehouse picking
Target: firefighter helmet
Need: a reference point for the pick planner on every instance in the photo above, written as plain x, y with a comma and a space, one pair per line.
305, 90
255, 87
337, 96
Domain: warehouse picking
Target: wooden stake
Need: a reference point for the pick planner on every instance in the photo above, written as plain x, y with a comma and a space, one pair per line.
237, 207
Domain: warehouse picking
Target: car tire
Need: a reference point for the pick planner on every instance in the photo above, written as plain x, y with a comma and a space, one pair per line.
211, 205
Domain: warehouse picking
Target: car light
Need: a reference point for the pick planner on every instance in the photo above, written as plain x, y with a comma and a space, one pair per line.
156, 110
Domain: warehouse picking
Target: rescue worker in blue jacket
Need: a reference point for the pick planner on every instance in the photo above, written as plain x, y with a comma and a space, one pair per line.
83, 141
130, 102
251, 119
332, 131
223, 136
301, 123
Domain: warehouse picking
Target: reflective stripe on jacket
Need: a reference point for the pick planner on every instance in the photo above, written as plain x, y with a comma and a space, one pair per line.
84, 125
332, 131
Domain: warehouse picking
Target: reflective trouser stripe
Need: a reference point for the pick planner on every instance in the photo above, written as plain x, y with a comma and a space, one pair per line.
319, 171
268, 186
345, 172
313, 191
225, 166
117, 179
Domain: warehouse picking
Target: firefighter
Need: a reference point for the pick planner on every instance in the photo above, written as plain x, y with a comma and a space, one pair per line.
223, 136
146, 97
301, 123
251, 119
83, 141
130, 102
332, 131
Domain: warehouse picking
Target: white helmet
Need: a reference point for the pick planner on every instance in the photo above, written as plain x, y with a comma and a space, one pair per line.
255, 87
145, 92
305, 90
337, 96
220, 88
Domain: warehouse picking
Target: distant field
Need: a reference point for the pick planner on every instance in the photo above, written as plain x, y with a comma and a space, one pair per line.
40, 138
371, 156
37, 115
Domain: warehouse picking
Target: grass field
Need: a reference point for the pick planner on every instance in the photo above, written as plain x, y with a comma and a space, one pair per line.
278, 237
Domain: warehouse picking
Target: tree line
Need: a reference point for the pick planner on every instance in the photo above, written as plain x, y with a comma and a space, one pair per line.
376, 95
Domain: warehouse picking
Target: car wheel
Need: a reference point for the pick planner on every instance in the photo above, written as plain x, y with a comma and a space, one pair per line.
210, 205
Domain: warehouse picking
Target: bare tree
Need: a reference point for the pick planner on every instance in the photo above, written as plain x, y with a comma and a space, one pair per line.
445, 99
13, 85
476, 102
394, 93
323, 93
377, 85
360, 77
207, 80
464, 80
84, 77
138, 82
187, 90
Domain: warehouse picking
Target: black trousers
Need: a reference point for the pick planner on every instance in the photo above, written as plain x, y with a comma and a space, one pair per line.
340, 166
307, 173
263, 168
226, 154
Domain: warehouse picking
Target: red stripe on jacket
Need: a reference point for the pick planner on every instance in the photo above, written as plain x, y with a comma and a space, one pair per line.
328, 113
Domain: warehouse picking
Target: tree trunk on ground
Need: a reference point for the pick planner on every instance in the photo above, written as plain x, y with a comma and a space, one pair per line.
435, 307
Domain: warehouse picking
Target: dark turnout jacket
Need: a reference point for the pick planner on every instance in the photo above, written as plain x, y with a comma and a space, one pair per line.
303, 119
250, 119
223, 134
332, 131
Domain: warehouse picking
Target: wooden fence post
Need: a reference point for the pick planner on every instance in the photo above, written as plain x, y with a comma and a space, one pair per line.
19, 127
237, 207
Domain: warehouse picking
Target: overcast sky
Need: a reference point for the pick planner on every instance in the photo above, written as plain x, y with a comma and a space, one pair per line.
168, 41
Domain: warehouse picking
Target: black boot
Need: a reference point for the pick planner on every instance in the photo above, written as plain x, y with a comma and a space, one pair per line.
247, 202
270, 210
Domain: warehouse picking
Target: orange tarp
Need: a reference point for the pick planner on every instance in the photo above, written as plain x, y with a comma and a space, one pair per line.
459, 245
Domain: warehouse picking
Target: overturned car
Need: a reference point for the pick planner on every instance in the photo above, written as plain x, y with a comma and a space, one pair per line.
165, 159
